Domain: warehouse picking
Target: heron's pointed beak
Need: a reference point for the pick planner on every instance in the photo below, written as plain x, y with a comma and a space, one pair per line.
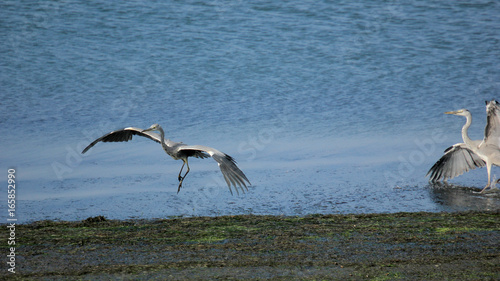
451, 112
146, 130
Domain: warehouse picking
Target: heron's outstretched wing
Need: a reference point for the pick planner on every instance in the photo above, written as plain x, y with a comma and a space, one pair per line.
492, 129
232, 174
456, 160
124, 135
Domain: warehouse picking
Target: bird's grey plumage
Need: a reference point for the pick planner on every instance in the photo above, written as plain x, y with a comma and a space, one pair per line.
457, 159
122, 135
492, 129
180, 151
470, 154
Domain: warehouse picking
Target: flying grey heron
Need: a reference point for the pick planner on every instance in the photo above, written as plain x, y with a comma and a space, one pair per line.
178, 150
470, 154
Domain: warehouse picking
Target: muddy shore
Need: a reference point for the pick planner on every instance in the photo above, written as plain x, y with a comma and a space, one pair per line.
416, 246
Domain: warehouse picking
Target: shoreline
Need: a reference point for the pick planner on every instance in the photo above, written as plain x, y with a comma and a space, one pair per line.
422, 245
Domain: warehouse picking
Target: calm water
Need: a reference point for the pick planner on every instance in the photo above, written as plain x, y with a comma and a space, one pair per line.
328, 106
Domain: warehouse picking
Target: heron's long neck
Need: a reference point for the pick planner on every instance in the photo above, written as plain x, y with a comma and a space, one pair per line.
162, 137
465, 128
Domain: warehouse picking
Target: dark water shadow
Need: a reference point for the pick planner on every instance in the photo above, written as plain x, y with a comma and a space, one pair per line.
453, 197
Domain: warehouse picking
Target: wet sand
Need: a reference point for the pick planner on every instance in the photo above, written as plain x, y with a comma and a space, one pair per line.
416, 246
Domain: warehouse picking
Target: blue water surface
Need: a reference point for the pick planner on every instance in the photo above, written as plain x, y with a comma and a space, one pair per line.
328, 106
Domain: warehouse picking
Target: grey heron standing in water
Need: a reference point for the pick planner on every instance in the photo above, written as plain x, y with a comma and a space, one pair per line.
178, 150
470, 154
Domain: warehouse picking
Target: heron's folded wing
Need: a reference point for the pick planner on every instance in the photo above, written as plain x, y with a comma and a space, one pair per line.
124, 135
456, 160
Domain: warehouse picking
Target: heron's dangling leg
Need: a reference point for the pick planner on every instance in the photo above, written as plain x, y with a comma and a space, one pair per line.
488, 167
181, 179
179, 176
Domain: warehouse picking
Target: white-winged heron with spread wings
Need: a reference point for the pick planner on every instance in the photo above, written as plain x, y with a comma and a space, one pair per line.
463, 157
178, 150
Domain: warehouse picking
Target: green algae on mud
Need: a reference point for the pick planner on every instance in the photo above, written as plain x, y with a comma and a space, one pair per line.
430, 246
